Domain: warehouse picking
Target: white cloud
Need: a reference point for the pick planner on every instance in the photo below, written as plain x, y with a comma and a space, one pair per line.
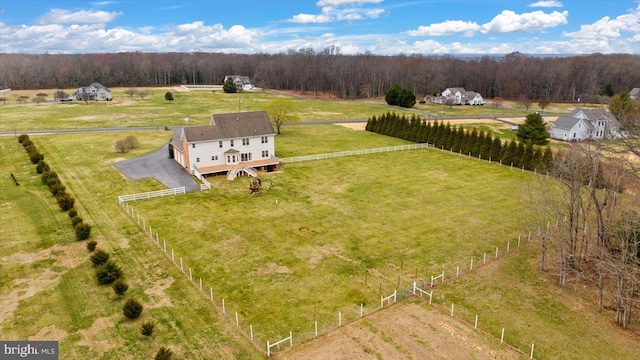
448, 27
508, 21
546, 4
310, 18
607, 28
59, 16
346, 2
340, 10
505, 22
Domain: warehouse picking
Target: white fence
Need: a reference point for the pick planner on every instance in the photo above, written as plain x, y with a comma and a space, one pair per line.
152, 194
269, 345
354, 153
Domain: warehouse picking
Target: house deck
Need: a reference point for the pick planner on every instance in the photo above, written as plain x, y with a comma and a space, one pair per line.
206, 170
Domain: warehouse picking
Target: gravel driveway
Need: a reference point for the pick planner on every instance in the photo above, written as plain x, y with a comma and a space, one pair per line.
158, 165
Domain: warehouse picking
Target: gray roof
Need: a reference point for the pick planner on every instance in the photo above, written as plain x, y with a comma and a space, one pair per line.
231, 126
565, 122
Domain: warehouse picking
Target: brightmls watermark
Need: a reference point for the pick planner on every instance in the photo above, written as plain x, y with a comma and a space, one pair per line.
39, 350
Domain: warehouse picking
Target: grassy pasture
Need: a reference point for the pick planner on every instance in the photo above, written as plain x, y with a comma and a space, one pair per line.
285, 265
154, 110
48, 288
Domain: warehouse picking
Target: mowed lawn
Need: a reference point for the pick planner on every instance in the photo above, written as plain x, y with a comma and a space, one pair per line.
299, 253
48, 288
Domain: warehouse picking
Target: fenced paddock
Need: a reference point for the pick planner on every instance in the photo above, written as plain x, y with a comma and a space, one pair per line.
342, 316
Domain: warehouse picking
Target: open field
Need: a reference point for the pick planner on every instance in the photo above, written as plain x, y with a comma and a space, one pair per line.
340, 231
154, 110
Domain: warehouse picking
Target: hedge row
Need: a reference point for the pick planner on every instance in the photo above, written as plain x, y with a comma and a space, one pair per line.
107, 271
50, 178
457, 139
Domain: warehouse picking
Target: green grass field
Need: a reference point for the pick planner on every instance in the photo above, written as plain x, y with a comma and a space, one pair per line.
341, 231
154, 110
48, 288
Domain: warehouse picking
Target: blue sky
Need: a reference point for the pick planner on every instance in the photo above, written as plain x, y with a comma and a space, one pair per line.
384, 27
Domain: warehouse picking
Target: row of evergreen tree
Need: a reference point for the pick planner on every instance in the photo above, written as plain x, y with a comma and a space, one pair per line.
458, 140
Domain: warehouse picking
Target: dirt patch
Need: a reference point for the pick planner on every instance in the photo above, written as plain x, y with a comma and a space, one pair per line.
157, 294
67, 256
50, 332
23, 289
406, 331
354, 126
92, 336
273, 268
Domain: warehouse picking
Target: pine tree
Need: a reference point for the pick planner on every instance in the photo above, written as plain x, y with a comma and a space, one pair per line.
547, 160
391, 96
537, 159
517, 156
510, 150
485, 150
527, 157
473, 136
533, 131
432, 131
496, 149
457, 142
477, 146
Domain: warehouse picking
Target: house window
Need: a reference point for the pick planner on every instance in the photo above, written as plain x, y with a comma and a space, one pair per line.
231, 143
264, 139
245, 141
265, 153
245, 157
197, 159
220, 144
193, 146
214, 157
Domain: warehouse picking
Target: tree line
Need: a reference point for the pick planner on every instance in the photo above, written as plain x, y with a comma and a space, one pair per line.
459, 140
587, 78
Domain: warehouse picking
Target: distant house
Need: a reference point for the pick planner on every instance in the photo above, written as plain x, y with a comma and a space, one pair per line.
94, 91
241, 82
458, 96
234, 144
584, 124
635, 94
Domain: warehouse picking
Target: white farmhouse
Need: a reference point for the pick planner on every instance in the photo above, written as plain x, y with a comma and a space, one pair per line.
234, 144
583, 124
458, 96
94, 91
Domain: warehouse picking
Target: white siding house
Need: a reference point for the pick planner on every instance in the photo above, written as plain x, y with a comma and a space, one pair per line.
458, 96
94, 91
584, 124
232, 143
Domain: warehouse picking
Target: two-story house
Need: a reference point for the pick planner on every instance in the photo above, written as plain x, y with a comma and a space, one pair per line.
234, 144
583, 124
94, 91
458, 96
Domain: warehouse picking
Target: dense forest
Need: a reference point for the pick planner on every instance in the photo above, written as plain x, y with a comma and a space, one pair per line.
564, 78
